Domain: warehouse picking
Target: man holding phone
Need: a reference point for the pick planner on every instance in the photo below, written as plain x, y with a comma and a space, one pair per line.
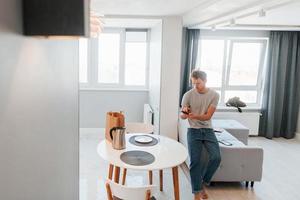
198, 106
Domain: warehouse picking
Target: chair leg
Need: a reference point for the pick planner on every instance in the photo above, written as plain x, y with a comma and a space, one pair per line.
247, 183
150, 177
148, 195
161, 184
108, 191
124, 176
117, 174
110, 171
252, 184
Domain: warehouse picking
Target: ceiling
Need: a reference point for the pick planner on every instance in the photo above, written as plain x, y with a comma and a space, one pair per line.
144, 7
285, 15
280, 14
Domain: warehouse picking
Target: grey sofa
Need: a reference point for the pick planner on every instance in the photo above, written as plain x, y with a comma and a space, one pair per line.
236, 129
239, 162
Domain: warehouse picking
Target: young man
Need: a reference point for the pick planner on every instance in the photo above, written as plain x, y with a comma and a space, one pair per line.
198, 106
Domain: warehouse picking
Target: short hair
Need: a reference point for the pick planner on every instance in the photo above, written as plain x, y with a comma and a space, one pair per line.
196, 73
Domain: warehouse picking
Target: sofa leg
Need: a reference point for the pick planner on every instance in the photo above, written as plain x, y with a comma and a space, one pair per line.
247, 183
212, 183
252, 184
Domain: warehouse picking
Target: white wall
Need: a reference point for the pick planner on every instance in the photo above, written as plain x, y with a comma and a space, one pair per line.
38, 113
298, 125
155, 72
170, 73
94, 104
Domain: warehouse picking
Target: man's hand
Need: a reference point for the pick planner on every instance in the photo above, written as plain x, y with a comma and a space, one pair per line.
193, 116
204, 117
184, 116
185, 109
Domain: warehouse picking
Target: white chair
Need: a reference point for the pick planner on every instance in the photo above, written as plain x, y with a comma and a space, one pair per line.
138, 127
117, 191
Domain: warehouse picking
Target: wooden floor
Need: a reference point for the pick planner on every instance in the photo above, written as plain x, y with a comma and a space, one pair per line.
281, 174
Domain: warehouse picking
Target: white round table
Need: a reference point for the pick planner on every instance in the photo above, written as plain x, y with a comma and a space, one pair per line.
168, 153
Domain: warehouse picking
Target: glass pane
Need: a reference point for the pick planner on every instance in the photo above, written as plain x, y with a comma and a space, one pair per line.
245, 63
136, 36
83, 61
245, 96
211, 61
109, 53
135, 63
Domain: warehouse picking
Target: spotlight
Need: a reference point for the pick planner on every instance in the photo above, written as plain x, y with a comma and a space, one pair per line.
213, 28
232, 22
262, 13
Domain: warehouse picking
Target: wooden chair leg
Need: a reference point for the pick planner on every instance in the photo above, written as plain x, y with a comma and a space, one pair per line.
108, 191
110, 171
161, 184
150, 177
148, 195
124, 176
117, 174
175, 182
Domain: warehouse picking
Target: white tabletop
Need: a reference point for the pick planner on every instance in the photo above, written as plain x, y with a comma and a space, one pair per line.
168, 153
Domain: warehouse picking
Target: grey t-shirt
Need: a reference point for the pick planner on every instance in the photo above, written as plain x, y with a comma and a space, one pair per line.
199, 104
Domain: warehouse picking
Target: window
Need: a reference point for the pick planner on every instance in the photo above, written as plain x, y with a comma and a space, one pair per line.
118, 60
244, 63
211, 60
109, 58
135, 58
234, 67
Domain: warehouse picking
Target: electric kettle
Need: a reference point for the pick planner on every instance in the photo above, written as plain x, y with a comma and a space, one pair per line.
117, 135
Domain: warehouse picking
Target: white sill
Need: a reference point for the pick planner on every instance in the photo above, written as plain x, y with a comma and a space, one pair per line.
115, 89
246, 109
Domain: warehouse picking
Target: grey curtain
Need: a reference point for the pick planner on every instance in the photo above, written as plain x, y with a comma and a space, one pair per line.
282, 90
189, 57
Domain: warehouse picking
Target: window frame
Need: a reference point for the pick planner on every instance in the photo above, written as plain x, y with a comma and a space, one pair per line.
93, 64
227, 58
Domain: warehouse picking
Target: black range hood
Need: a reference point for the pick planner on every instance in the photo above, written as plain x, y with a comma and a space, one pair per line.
56, 17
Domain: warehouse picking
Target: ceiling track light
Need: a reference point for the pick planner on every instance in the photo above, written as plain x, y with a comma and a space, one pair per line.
213, 28
262, 13
232, 22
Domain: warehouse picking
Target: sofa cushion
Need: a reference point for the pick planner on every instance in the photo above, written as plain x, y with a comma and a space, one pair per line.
235, 128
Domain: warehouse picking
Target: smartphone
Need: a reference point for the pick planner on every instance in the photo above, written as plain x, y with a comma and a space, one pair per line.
184, 112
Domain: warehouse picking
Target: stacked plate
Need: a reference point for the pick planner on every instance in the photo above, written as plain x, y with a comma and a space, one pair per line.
143, 139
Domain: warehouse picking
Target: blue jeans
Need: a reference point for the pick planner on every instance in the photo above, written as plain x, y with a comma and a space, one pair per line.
200, 170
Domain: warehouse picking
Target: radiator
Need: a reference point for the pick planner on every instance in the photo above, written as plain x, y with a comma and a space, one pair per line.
148, 114
248, 119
